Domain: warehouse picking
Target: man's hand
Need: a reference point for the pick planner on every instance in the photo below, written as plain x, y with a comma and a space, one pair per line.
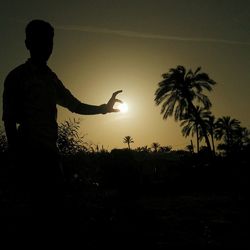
109, 107
11, 133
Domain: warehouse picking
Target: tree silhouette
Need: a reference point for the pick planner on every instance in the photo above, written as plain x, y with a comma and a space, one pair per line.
229, 130
128, 139
165, 149
191, 125
178, 92
143, 149
245, 137
211, 125
155, 146
190, 147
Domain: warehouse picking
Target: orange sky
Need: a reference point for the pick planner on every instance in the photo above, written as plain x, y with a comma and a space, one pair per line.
103, 46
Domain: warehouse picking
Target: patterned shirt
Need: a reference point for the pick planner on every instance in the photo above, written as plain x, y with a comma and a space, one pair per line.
30, 97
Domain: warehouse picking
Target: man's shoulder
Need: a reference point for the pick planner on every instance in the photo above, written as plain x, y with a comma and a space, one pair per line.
51, 73
17, 72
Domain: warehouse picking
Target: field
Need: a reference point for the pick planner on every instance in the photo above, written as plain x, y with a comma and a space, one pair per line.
110, 202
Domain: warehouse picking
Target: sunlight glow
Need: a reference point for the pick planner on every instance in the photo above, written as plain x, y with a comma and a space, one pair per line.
123, 107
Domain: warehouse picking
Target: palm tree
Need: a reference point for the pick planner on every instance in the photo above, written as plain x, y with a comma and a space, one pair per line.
211, 125
128, 139
178, 92
227, 129
191, 125
245, 136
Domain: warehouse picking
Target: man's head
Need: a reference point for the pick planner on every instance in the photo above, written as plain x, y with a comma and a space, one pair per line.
39, 40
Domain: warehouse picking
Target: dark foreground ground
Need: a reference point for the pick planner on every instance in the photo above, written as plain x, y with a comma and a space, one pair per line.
156, 220
191, 207
161, 221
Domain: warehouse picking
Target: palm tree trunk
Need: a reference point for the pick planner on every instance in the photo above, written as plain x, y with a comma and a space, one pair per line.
128, 145
212, 139
201, 123
192, 146
204, 131
197, 136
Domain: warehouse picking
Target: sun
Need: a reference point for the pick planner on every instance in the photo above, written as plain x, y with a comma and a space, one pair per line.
123, 107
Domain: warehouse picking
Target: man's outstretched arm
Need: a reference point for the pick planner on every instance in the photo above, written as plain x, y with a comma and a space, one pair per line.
87, 109
67, 100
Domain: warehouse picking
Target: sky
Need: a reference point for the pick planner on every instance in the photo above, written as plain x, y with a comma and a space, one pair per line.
106, 45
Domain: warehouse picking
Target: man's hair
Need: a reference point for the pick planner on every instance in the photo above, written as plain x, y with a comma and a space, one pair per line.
37, 29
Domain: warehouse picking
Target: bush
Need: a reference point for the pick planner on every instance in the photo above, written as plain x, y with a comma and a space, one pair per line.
69, 141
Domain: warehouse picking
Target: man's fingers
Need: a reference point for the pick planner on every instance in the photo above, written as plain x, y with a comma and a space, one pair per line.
116, 93
117, 100
113, 100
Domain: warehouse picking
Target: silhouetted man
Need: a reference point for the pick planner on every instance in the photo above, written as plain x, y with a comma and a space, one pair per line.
31, 93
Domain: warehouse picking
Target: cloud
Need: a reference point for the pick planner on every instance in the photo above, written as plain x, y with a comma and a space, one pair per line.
127, 33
